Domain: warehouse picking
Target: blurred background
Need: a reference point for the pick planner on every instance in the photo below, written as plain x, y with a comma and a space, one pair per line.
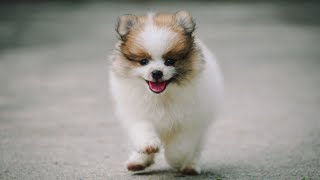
56, 117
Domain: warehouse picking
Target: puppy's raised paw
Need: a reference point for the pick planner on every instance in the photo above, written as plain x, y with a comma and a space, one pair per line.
151, 149
150, 146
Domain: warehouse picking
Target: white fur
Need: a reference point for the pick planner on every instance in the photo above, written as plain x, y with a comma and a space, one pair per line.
177, 118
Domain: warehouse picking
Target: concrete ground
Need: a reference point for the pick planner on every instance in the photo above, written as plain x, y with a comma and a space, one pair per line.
56, 118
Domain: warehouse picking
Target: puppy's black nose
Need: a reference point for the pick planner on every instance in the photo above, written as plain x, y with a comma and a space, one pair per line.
156, 74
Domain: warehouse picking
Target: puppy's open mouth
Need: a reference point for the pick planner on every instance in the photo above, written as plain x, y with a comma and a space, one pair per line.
157, 87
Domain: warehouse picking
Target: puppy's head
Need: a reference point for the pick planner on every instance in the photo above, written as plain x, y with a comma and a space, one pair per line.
158, 49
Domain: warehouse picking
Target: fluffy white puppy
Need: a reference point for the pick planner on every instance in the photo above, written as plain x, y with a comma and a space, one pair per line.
167, 88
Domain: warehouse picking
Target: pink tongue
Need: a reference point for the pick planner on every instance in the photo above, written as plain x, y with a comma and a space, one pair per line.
157, 86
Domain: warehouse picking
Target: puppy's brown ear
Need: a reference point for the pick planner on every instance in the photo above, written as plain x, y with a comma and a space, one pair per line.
125, 24
184, 19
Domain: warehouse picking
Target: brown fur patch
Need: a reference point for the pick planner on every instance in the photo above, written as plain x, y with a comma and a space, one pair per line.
130, 48
151, 149
164, 19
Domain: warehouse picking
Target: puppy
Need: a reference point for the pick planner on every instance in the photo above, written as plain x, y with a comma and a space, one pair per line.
167, 88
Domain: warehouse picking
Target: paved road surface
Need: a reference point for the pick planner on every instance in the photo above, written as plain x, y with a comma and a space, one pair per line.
56, 119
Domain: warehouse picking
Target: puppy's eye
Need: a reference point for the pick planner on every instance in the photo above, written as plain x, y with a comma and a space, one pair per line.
169, 62
144, 62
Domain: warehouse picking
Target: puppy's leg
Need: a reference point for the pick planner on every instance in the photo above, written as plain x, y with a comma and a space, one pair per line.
182, 152
146, 143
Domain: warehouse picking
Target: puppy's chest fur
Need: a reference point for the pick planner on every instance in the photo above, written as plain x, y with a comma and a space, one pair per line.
171, 112
167, 112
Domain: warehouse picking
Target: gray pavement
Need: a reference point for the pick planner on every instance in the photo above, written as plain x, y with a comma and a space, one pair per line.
56, 118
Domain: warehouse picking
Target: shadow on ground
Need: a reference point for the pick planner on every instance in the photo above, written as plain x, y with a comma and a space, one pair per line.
171, 173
